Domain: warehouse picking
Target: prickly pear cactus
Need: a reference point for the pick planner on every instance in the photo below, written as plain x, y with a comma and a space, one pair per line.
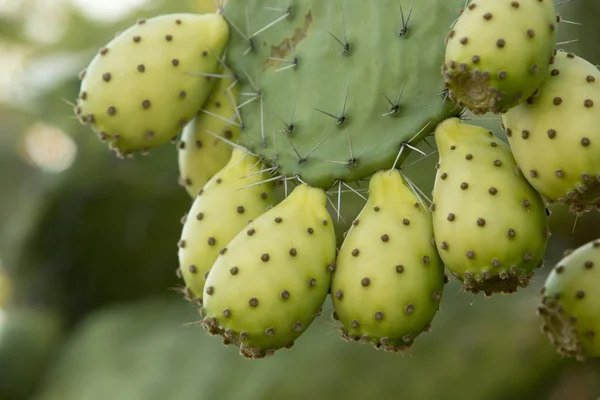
556, 137
389, 278
570, 303
225, 205
271, 280
490, 225
332, 90
141, 89
201, 152
498, 53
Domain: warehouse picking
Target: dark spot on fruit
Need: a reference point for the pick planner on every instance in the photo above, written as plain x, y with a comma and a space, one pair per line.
212, 241
409, 308
365, 282
293, 252
399, 269
355, 252
210, 290
385, 238
470, 254
265, 257
339, 294
312, 282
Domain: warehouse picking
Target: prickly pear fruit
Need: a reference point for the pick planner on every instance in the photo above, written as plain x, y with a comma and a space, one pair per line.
265, 290
201, 154
141, 89
556, 137
226, 204
570, 303
389, 278
490, 225
498, 53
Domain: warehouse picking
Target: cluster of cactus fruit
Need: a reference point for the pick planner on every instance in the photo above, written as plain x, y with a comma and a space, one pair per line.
321, 94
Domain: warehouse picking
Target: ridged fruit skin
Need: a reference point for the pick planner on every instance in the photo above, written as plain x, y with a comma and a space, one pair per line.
334, 88
201, 154
570, 303
491, 227
556, 137
266, 289
389, 278
498, 53
228, 202
140, 90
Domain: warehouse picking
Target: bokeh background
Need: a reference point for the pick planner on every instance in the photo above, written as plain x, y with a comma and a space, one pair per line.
88, 256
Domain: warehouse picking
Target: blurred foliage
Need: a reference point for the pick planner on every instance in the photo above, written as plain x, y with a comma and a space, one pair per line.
85, 246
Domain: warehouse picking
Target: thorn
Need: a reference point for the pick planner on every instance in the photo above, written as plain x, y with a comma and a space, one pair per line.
336, 210
567, 42
354, 191
229, 142
221, 117
419, 160
560, 3
339, 199
394, 107
345, 45
418, 192
218, 76
264, 28
263, 181
416, 149
404, 29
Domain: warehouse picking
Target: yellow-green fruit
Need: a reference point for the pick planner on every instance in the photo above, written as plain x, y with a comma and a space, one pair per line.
570, 303
201, 154
490, 225
141, 89
556, 137
226, 204
389, 278
498, 53
266, 289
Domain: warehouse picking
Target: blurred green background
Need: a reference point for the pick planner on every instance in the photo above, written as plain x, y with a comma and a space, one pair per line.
88, 256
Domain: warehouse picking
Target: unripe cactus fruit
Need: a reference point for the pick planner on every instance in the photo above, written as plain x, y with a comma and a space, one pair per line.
141, 89
226, 204
570, 303
201, 154
498, 53
389, 278
490, 225
266, 289
555, 138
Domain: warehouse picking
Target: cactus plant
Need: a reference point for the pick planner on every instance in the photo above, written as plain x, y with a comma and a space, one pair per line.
325, 95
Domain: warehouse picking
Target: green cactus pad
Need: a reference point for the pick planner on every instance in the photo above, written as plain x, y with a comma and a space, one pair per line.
570, 303
490, 225
389, 278
556, 137
141, 89
225, 205
265, 290
330, 90
498, 53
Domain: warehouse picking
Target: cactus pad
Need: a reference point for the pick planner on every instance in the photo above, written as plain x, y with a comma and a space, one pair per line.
570, 303
330, 90
490, 225
556, 137
141, 89
498, 53
389, 278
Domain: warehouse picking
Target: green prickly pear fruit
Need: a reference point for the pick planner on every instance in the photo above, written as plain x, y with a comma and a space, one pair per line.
266, 289
498, 53
491, 227
389, 278
555, 138
141, 89
201, 154
226, 204
570, 303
